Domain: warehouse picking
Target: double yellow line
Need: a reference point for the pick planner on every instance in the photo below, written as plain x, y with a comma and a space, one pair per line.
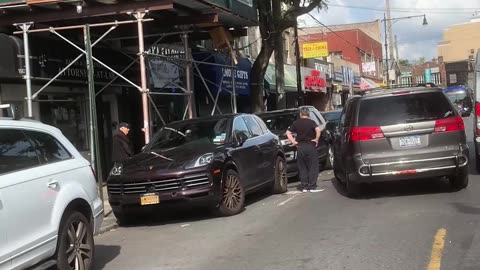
437, 250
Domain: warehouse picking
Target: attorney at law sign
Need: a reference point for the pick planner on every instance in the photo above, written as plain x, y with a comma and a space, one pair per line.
315, 49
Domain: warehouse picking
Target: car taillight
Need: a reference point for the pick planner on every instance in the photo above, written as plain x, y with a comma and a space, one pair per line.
477, 113
449, 124
366, 133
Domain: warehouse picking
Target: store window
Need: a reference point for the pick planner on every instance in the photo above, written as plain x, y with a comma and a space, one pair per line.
67, 113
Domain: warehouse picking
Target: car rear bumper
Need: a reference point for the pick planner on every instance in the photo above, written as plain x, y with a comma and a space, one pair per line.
410, 169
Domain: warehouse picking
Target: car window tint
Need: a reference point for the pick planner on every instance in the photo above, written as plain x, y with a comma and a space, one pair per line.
402, 109
253, 126
262, 124
279, 122
239, 126
49, 148
16, 152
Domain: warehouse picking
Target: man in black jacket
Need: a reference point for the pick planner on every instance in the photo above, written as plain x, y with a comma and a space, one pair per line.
121, 148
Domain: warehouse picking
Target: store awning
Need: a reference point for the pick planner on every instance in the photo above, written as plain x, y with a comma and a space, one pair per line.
290, 79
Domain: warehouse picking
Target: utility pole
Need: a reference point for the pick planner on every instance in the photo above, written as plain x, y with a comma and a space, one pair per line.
297, 60
386, 48
390, 35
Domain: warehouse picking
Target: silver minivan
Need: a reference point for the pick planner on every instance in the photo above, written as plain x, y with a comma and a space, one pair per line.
395, 134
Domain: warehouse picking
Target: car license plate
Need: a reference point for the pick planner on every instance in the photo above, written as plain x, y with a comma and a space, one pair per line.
149, 199
410, 141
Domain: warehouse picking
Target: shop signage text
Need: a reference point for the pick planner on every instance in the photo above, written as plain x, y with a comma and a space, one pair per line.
314, 50
315, 81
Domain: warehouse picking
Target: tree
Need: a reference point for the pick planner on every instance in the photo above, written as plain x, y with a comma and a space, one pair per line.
270, 27
404, 62
421, 60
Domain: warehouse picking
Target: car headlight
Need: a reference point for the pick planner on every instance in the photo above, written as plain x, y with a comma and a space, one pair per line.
285, 142
117, 169
203, 160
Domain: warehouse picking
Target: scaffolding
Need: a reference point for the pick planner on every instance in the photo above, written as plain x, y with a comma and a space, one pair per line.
188, 64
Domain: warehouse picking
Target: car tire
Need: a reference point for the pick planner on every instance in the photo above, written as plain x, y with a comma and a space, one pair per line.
329, 161
280, 184
75, 242
477, 164
351, 188
123, 218
459, 181
232, 195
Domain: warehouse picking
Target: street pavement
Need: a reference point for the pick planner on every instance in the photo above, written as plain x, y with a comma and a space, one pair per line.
417, 224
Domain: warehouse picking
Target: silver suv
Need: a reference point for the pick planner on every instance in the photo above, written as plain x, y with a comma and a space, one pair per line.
49, 203
400, 134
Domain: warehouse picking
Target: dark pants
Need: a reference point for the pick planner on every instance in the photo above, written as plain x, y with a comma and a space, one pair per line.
307, 161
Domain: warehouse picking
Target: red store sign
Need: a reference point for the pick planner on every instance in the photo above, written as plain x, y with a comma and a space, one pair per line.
315, 82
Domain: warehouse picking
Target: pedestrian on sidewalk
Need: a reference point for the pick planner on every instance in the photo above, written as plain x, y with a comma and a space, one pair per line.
306, 141
121, 148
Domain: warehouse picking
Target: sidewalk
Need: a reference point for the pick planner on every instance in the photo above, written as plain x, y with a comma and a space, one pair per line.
109, 220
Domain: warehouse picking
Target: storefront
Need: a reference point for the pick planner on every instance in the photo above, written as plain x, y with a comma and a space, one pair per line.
325, 69
290, 95
64, 103
215, 87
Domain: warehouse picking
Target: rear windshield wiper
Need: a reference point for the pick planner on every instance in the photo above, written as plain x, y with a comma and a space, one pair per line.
419, 119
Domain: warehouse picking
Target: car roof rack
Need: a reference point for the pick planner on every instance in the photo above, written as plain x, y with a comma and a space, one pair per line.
9, 111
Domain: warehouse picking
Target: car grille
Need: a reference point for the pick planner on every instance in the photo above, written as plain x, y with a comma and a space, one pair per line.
164, 185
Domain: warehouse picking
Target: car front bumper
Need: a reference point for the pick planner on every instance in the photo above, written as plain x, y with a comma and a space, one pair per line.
207, 194
410, 169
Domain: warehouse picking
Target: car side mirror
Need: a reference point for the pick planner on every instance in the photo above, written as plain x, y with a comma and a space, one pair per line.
241, 138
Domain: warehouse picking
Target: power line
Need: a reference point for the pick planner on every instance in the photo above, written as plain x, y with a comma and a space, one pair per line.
413, 10
334, 32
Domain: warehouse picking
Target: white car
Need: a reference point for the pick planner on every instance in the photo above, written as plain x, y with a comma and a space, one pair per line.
49, 204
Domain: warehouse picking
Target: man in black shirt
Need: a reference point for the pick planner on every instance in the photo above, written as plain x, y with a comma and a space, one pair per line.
308, 134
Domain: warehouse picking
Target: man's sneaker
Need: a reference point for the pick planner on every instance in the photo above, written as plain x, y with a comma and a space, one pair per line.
317, 190
305, 190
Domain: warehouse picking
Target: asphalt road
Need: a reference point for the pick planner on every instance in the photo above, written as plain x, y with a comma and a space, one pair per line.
402, 225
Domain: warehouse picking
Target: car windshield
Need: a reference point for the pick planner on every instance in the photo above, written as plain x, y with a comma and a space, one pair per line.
402, 109
332, 116
211, 131
457, 97
279, 122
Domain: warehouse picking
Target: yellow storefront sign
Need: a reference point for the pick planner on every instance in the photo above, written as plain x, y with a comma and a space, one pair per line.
314, 50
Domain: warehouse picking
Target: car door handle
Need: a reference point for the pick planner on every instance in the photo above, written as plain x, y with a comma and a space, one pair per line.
53, 185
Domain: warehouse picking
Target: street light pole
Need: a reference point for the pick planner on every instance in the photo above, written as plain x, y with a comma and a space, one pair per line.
386, 50
386, 30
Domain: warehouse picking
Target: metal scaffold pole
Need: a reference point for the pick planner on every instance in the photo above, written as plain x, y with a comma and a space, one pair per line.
94, 140
188, 77
28, 77
143, 76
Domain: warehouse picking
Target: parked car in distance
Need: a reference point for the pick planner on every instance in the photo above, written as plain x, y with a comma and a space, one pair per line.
332, 117
461, 97
279, 121
49, 204
213, 161
399, 134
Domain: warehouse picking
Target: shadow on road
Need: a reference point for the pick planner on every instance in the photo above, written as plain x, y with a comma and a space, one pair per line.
472, 164
397, 188
184, 214
104, 255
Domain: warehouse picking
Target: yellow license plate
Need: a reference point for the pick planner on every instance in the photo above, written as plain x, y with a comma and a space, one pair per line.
149, 199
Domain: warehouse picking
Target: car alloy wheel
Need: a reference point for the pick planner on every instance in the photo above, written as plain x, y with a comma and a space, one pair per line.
330, 155
280, 184
76, 246
232, 192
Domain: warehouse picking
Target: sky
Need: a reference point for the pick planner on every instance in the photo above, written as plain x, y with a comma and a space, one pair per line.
414, 40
